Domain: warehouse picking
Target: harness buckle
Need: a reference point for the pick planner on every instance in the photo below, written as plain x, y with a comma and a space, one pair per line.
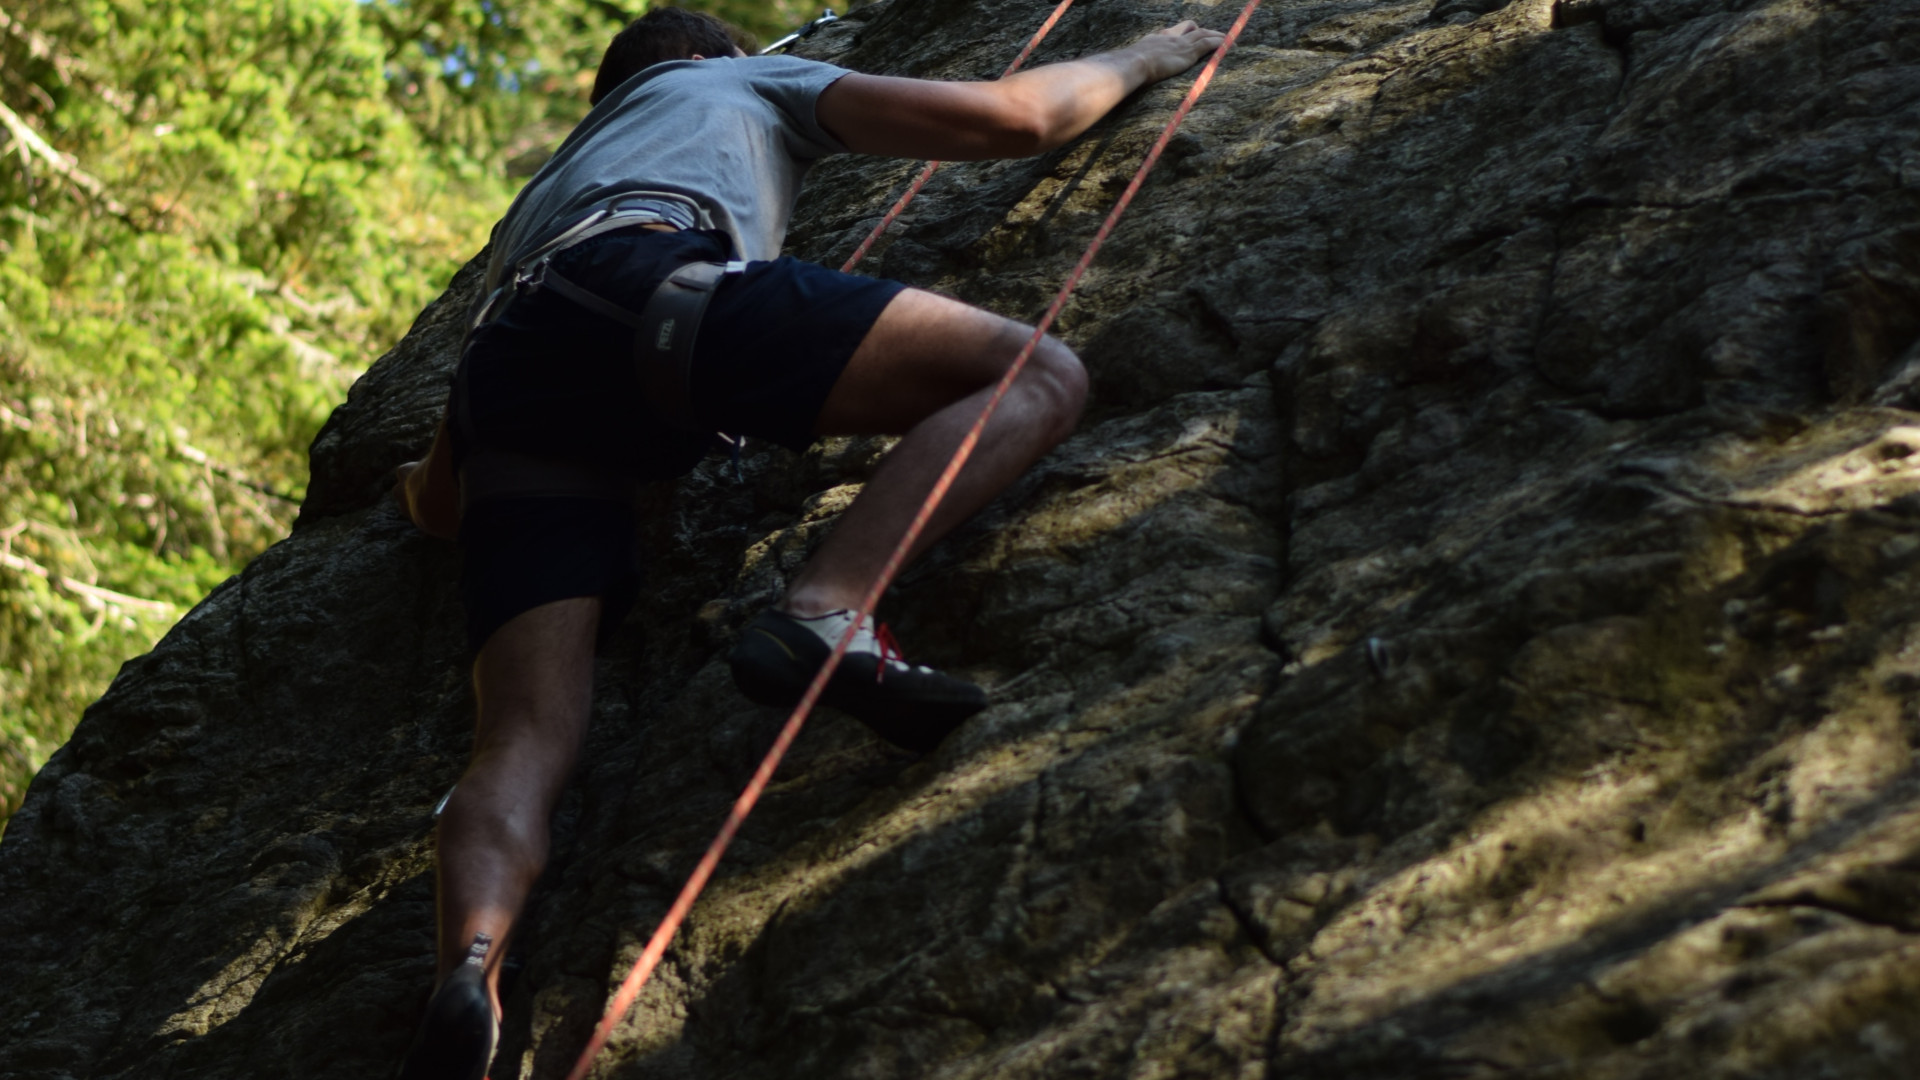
530, 276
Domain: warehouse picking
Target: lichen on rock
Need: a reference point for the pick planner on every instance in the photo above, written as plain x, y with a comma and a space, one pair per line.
1475, 630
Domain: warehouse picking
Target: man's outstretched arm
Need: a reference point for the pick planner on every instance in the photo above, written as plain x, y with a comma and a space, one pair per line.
1025, 113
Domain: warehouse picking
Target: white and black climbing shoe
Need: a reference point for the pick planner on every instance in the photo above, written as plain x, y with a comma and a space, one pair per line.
456, 1039
909, 705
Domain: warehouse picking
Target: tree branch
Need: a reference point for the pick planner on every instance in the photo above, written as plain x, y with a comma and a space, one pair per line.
63, 164
93, 597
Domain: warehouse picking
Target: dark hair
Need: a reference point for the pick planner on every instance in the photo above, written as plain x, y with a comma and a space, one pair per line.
662, 34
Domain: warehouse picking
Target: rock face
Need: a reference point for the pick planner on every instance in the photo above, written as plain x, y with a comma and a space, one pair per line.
1475, 631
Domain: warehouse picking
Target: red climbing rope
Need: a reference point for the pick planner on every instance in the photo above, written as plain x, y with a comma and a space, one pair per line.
662, 935
926, 174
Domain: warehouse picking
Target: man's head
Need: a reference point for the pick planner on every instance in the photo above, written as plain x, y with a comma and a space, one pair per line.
662, 34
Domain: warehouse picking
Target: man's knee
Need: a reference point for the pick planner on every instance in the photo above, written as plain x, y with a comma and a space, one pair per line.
1059, 382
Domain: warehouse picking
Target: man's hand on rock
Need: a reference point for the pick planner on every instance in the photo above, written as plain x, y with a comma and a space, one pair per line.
1025, 113
427, 491
1166, 53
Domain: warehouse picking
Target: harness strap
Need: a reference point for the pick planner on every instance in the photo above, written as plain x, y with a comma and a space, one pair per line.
551, 279
669, 324
531, 273
487, 475
627, 209
664, 330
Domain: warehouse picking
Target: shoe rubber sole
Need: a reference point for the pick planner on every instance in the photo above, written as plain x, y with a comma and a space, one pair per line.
456, 1039
776, 660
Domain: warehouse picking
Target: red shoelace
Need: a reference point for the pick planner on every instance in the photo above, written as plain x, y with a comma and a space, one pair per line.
889, 649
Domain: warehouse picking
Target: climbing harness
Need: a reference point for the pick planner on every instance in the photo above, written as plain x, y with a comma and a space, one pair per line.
656, 946
664, 331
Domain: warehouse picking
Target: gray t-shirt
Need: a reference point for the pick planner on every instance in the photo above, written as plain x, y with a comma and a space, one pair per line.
735, 134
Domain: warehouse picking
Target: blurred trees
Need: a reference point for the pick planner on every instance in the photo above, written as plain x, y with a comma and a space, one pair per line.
212, 218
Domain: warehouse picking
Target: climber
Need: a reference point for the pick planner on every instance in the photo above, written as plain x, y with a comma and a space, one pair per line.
663, 214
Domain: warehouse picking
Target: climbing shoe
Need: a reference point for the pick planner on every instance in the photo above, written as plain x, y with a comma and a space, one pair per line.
455, 1041
909, 705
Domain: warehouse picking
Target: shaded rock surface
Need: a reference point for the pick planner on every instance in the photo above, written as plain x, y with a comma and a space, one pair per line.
1476, 630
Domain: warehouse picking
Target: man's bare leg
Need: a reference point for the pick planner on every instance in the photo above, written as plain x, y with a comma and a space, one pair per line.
925, 370
533, 683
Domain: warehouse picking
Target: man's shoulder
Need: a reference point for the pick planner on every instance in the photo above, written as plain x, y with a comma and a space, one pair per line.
763, 74
781, 71
781, 62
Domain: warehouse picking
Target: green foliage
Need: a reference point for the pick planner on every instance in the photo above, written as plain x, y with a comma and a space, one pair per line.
490, 84
212, 218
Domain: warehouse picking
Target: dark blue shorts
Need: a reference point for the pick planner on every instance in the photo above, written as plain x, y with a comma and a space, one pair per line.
550, 379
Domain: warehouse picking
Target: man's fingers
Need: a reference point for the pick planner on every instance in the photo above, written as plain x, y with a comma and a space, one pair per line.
398, 493
1193, 35
1179, 47
1177, 31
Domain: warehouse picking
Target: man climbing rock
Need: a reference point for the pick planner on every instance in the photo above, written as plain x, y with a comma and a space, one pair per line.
638, 304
